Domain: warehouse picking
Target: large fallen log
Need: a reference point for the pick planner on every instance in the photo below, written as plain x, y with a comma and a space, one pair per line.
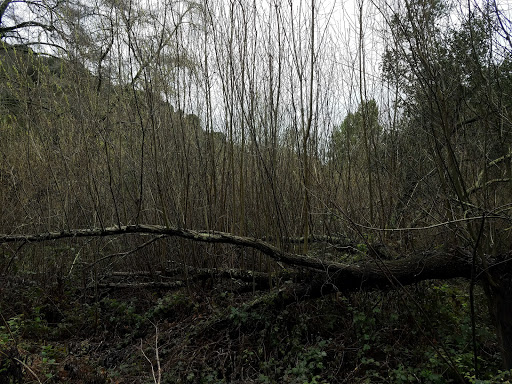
374, 273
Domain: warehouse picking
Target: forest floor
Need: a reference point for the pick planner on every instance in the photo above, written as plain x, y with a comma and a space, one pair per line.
210, 332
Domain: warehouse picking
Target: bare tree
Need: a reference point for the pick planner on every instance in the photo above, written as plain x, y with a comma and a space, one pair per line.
265, 135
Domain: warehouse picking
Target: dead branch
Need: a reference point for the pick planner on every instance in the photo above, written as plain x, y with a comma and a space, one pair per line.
329, 276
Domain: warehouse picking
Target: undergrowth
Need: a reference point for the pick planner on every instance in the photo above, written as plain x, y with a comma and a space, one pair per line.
64, 335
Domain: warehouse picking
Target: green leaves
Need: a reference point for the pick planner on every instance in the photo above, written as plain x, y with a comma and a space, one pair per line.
347, 140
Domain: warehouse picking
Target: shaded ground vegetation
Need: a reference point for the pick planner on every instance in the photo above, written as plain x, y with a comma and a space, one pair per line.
215, 330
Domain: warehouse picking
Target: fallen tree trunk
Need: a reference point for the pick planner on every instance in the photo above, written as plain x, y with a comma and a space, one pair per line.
327, 277
374, 273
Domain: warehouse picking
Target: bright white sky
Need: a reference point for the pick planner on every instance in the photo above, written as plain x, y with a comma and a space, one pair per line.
336, 43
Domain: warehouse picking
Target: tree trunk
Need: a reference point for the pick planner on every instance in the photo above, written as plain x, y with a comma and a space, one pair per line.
499, 294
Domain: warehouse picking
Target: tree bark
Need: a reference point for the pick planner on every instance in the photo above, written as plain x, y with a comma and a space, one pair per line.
499, 294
